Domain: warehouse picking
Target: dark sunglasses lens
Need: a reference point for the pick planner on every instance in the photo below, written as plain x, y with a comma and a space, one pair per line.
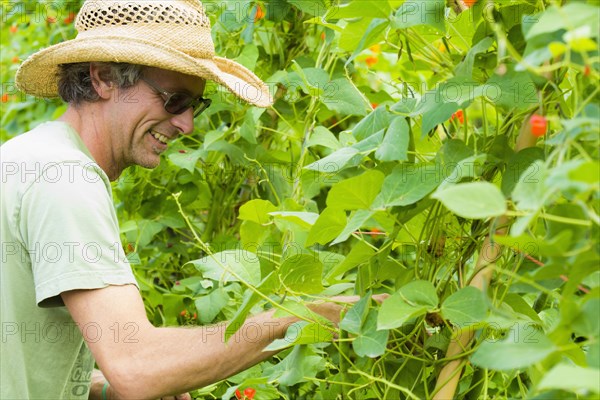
178, 103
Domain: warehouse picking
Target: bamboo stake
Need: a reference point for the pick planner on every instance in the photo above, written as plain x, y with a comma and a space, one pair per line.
490, 252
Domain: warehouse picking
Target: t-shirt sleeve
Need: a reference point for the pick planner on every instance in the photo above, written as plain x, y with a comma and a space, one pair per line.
70, 230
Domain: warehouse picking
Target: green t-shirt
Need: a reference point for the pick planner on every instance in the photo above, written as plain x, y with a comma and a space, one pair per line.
58, 232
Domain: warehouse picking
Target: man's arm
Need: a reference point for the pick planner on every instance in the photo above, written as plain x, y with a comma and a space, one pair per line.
142, 361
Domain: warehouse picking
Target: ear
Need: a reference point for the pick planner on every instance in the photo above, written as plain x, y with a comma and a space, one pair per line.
101, 82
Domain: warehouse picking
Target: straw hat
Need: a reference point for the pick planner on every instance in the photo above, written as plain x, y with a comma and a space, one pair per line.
172, 35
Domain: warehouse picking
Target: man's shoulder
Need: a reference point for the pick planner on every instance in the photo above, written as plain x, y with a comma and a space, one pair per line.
50, 142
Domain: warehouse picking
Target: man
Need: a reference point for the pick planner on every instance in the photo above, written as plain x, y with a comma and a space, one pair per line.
133, 79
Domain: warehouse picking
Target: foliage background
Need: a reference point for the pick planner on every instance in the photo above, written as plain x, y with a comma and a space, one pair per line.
381, 167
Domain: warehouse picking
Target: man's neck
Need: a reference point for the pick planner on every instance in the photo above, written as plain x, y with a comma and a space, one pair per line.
86, 121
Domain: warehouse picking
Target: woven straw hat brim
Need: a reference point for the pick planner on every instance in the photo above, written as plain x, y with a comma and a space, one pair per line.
37, 76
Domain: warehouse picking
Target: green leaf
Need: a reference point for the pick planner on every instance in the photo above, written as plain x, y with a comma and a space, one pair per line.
516, 165
571, 378
186, 160
408, 184
358, 219
361, 8
510, 90
322, 136
210, 306
418, 12
301, 218
335, 161
311, 7
394, 146
243, 263
353, 320
412, 300
300, 365
587, 322
469, 167
522, 347
520, 306
147, 230
248, 128
172, 305
530, 192
377, 120
327, 227
371, 342
475, 200
465, 68
570, 16
302, 273
372, 35
257, 210
465, 307
357, 192
359, 254
340, 95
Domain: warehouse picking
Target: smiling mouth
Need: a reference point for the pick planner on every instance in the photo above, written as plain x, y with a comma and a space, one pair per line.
158, 136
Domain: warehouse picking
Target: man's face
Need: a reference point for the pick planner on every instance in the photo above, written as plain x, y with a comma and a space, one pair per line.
142, 128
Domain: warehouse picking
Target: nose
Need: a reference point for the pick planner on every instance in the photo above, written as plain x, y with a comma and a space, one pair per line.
184, 122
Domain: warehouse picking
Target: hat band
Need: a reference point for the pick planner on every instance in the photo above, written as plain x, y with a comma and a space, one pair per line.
187, 39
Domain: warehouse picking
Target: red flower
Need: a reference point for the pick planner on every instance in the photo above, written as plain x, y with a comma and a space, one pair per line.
469, 3
183, 313
538, 125
370, 61
587, 70
458, 115
70, 17
238, 394
260, 13
375, 233
323, 36
374, 105
249, 393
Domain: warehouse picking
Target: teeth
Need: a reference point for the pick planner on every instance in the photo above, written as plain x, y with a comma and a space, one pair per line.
159, 137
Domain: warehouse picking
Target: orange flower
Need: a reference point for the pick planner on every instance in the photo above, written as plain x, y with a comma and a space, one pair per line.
50, 20
459, 115
249, 393
13, 29
587, 70
70, 17
374, 105
4, 98
375, 233
370, 61
15, 59
260, 13
469, 3
323, 36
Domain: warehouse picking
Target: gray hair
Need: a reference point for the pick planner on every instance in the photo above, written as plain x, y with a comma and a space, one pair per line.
75, 84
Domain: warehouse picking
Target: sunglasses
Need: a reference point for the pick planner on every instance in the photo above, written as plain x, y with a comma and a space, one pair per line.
177, 103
